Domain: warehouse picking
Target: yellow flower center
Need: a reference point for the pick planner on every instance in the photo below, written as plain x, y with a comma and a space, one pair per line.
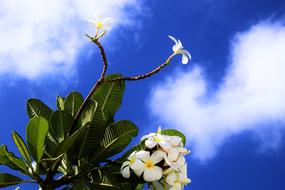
149, 164
99, 25
157, 140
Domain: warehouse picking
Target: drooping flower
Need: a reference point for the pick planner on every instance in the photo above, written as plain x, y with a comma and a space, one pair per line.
178, 49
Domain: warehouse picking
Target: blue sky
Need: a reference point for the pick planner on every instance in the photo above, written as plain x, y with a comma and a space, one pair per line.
229, 100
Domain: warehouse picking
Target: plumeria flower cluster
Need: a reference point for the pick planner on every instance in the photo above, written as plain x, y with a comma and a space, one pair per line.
161, 163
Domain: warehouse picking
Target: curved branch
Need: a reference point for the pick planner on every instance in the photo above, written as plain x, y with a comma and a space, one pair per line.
143, 76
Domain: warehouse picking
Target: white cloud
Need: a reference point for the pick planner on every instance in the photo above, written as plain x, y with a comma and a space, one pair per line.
40, 38
250, 98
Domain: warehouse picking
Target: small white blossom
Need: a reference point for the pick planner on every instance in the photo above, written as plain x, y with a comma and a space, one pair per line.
134, 163
177, 180
101, 25
151, 172
154, 139
178, 49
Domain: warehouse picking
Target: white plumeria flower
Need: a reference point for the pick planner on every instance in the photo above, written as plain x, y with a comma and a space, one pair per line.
177, 180
176, 165
154, 139
178, 49
134, 163
101, 25
151, 172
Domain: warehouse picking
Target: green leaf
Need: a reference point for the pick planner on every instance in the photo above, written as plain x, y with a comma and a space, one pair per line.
36, 107
37, 130
9, 159
103, 181
73, 102
140, 186
60, 124
116, 138
173, 132
95, 132
60, 102
9, 180
109, 96
21, 146
64, 146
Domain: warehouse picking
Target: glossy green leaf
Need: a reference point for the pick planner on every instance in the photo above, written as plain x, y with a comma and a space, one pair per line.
103, 181
95, 132
60, 102
109, 96
73, 102
21, 146
60, 124
64, 146
9, 180
116, 138
173, 132
9, 159
36, 107
37, 130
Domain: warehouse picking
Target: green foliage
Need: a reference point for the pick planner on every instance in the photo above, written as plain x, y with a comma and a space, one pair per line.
9, 159
109, 97
21, 146
60, 124
8, 179
78, 147
38, 108
72, 103
116, 138
36, 134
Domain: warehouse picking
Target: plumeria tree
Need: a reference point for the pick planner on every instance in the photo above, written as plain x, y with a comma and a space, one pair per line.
74, 146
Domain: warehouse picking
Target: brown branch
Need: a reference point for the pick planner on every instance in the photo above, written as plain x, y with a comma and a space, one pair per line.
143, 76
97, 84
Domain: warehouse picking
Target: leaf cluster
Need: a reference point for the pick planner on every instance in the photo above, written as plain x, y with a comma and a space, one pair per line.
71, 151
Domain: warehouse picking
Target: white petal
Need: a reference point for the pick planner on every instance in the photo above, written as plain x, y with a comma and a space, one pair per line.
93, 22
107, 20
152, 174
126, 163
183, 150
142, 154
172, 38
126, 172
157, 156
148, 136
138, 167
175, 140
171, 178
179, 45
184, 59
173, 154
165, 145
149, 143
175, 48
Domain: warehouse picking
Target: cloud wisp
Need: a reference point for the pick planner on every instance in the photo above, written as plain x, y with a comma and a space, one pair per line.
250, 98
42, 38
